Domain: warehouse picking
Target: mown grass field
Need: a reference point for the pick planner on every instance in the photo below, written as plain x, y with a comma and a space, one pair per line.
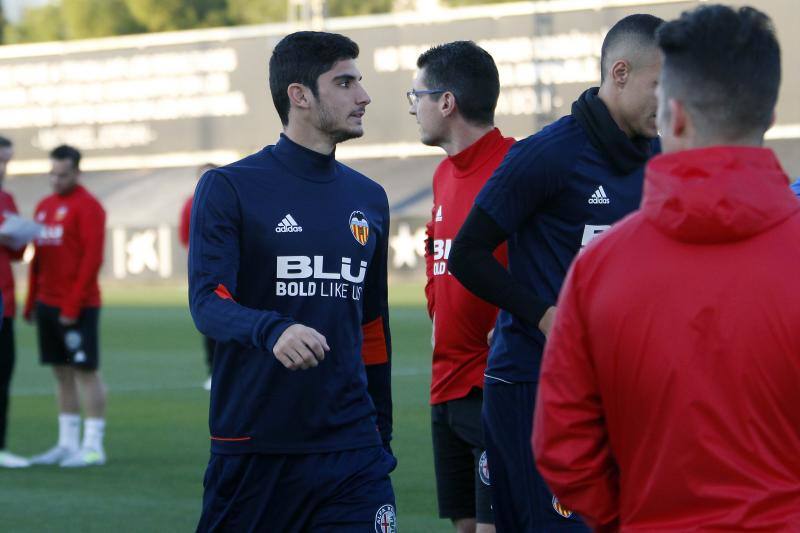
157, 436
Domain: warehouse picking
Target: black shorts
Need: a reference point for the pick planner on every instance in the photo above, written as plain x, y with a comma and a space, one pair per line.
459, 458
75, 345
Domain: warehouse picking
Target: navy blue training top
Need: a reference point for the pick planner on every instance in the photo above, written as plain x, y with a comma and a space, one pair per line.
552, 194
287, 236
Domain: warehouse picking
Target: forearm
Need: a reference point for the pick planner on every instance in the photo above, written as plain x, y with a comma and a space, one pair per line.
473, 263
217, 315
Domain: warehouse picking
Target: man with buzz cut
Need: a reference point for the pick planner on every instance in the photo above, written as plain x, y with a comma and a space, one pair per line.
453, 98
553, 193
670, 388
288, 273
64, 301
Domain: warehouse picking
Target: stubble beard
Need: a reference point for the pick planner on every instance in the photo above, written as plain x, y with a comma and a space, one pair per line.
327, 123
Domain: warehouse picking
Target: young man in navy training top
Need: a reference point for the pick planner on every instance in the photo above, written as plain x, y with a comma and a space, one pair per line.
550, 196
287, 272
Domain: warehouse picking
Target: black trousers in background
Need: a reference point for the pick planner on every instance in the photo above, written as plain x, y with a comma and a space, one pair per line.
7, 356
209, 345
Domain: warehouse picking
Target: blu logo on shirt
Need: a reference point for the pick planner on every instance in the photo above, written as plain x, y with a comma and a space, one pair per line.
304, 267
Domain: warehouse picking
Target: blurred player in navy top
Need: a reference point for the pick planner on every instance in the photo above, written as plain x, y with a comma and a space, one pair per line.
552, 194
287, 272
796, 187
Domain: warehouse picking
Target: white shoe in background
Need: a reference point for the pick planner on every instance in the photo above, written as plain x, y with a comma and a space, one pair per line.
84, 457
53, 456
9, 460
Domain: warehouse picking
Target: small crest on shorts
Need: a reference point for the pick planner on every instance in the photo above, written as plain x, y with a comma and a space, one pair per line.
385, 519
560, 509
359, 227
73, 340
483, 469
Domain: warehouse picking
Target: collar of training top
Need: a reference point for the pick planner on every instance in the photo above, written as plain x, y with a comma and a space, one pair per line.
304, 163
624, 153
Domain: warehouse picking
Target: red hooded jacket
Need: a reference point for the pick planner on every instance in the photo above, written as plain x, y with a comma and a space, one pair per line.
670, 388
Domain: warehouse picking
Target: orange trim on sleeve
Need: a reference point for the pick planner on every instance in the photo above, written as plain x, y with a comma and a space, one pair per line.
231, 439
373, 350
223, 292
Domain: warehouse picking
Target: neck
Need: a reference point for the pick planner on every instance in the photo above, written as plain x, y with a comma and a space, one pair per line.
463, 135
608, 97
309, 137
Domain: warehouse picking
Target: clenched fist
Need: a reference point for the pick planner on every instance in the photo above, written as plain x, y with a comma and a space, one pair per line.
300, 347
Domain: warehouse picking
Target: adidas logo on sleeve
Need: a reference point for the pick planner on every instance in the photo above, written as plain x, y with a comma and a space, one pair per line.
599, 197
288, 225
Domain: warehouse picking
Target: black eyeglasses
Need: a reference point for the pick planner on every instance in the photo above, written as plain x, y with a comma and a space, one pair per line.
413, 95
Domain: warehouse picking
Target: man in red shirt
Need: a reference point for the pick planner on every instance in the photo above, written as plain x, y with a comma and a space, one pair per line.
453, 99
183, 235
64, 296
670, 388
7, 345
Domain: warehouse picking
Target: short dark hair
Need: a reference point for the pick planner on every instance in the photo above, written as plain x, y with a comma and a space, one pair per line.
469, 72
65, 151
639, 30
725, 66
5, 142
301, 57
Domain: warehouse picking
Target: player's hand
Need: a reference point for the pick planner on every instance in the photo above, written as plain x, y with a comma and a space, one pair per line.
546, 323
489, 337
300, 347
66, 321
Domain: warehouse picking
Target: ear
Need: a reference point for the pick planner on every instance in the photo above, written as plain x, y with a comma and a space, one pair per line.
299, 95
620, 72
680, 122
447, 104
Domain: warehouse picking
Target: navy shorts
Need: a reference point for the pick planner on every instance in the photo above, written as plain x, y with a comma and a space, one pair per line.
521, 501
343, 492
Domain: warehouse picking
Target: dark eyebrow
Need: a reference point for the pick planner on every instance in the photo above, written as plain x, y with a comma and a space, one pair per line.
346, 77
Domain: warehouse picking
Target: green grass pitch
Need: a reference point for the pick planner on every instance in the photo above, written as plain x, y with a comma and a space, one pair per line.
157, 433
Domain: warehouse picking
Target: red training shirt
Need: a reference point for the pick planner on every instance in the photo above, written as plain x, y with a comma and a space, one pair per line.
183, 225
69, 253
7, 255
462, 321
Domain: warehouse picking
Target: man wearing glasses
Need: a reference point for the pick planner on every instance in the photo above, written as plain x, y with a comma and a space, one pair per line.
454, 97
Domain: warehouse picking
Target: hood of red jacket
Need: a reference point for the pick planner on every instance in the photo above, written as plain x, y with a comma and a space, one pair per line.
718, 194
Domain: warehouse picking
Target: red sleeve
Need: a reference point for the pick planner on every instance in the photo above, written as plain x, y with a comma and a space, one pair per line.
429, 292
183, 226
14, 255
92, 228
570, 441
374, 349
33, 281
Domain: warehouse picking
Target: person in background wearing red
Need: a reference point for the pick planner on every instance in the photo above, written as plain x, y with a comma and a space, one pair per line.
64, 299
7, 345
183, 235
453, 99
669, 397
